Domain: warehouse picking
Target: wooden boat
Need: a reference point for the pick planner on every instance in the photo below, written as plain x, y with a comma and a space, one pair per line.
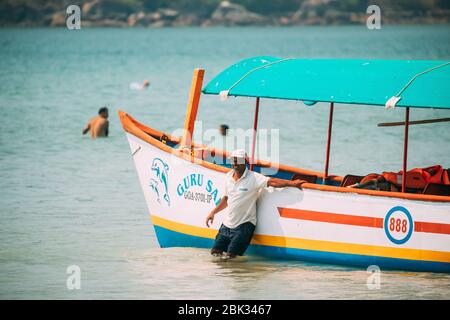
325, 222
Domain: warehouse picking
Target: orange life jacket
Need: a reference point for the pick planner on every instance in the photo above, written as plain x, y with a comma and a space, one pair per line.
434, 174
418, 178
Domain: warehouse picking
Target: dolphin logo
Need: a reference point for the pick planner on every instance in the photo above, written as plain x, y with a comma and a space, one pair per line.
155, 187
160, 168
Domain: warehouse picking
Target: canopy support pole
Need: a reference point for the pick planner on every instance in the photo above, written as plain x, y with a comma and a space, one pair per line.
405, 149
330, 127
192, 107
255, 127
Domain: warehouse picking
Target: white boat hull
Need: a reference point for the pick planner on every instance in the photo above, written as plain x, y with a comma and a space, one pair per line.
309, 225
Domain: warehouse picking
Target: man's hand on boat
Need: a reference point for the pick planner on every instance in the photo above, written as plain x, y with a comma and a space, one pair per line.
281, 183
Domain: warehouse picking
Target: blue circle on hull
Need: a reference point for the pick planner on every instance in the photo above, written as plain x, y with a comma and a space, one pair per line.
386, 225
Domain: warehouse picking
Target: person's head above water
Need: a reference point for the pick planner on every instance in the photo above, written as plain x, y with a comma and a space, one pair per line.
238, 160
103, 112
146, 83
223, 129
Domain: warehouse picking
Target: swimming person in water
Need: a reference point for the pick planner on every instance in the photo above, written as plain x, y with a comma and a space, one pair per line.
140, 86
242, 189
98, 126
145, 84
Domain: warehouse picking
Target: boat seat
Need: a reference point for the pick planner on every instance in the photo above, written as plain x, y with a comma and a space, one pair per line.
350, 179
437, 189
307, 177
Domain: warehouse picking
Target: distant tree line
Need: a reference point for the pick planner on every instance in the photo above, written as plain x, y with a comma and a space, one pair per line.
40, 12
271, 7
268, 7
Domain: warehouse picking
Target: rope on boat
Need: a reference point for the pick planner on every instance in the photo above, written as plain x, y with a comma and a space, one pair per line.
224, 94
135, 151
393, 100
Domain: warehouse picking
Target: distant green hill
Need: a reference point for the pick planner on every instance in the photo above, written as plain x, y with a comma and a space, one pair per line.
160, 13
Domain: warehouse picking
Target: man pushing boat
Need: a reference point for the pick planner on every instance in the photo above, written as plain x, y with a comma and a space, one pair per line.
242, 189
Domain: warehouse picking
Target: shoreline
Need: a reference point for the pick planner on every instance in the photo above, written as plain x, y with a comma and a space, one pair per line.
406, 24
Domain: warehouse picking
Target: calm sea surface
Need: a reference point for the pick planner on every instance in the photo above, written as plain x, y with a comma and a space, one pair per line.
66, 200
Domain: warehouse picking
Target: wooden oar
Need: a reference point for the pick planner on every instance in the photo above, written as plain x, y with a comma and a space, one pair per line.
402, 123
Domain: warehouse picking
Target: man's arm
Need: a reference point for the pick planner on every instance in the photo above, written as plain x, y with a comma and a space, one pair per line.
87, 128
222, 205
281, 183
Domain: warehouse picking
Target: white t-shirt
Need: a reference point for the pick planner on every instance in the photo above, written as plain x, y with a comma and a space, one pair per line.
242, 195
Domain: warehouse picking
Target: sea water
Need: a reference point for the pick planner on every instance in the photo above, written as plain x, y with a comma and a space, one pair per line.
67, 200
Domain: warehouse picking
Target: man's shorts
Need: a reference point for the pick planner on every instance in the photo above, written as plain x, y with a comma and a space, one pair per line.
234, 241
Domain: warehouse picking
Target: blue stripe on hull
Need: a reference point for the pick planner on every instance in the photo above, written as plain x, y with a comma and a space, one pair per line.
169, 238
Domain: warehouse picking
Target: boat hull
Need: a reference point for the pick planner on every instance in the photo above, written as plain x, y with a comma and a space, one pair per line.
169, 238
312, 225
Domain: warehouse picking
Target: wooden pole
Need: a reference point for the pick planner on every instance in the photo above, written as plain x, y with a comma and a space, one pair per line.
401, 123
255, 127
405, 149
330, 127
192, 107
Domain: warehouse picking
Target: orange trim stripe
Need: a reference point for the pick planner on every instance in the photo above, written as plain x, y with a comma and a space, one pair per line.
373, 222
328, 217
431, 227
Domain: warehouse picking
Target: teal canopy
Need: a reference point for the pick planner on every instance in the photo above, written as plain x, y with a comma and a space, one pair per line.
418, 83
